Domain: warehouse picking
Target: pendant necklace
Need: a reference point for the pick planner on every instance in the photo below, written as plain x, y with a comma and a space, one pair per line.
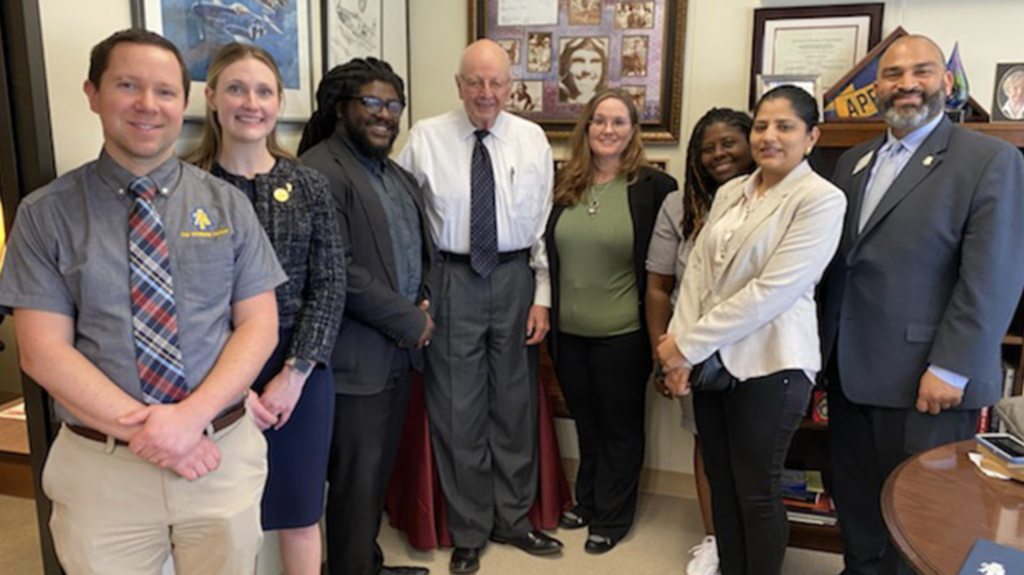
594, 203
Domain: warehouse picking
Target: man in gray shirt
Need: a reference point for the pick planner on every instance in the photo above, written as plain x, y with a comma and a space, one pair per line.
143, 296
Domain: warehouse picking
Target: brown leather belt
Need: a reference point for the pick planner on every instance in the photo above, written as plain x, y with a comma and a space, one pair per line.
230, 416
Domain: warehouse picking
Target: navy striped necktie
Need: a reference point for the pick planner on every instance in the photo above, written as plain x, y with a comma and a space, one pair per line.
154, 314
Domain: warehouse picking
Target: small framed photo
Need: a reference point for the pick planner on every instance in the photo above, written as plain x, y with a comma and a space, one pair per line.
527, 97
584, 12
634, 56
634, 15
538, 52
1008, 94
512, 47
809, 84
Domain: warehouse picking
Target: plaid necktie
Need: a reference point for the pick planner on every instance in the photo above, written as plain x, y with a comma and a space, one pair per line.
154, 315
483, 227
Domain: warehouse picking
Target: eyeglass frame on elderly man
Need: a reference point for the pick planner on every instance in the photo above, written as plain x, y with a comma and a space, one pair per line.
375, 105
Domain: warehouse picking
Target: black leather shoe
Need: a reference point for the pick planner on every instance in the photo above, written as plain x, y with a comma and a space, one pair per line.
572, 520
533, 542
465, 560
403, 570
598, 544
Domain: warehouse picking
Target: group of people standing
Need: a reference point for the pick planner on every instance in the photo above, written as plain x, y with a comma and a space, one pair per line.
174, 309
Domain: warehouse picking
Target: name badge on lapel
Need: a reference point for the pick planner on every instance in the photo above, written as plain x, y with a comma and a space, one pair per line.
863, 162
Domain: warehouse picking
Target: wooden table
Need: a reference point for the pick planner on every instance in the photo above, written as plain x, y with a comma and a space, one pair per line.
937, 503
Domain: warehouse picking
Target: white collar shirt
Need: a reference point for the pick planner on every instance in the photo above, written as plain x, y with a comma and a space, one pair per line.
439, 154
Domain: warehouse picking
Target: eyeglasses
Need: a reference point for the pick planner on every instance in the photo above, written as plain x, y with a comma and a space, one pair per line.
615, 123
374, 105
478, 84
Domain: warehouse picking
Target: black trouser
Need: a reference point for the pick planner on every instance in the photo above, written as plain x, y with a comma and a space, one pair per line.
866, 444
604, 381
367, 431
745, 435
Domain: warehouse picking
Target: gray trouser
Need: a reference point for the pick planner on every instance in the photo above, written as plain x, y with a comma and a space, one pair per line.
482, 401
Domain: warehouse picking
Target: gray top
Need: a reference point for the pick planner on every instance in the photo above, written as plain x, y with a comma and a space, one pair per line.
403, 220
68, 254
668, 251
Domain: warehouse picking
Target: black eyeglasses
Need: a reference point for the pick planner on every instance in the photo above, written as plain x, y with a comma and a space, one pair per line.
374, 104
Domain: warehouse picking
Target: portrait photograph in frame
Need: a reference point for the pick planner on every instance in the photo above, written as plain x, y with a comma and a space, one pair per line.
1008, 93
199, 28
825, 41
634, 44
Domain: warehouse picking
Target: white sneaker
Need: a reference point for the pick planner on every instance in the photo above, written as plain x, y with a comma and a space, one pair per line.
705, 558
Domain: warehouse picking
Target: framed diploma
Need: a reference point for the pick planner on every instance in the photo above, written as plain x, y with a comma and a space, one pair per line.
565, 51
823, 41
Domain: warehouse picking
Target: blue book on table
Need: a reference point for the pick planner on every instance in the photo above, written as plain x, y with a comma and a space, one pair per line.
990, 558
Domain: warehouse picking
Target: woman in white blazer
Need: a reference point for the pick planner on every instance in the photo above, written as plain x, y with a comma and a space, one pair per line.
748, 295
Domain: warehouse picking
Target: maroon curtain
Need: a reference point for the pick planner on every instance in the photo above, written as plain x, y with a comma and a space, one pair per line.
415, 501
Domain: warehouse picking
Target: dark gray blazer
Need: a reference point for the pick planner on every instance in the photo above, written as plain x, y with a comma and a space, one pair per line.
378, 320
935, 276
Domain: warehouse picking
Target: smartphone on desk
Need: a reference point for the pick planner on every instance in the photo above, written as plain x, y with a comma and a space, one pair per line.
1004, 446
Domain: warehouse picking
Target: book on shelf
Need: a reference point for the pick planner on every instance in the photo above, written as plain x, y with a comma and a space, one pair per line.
810, 518
800, 480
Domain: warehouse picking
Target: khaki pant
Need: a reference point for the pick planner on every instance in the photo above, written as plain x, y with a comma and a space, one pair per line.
114, 513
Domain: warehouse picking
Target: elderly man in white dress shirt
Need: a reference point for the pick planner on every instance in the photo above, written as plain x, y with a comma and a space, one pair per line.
488, 176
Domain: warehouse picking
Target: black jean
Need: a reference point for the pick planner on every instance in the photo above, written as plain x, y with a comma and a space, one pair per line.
745, 436
604, 380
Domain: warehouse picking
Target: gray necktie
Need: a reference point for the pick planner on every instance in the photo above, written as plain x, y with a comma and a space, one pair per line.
885, 175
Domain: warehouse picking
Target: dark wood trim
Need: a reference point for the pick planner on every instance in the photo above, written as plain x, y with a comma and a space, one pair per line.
26, 163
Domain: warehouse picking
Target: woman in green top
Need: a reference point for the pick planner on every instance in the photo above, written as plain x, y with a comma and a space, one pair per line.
606, 199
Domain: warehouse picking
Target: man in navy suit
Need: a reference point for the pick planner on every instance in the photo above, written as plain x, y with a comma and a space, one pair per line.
928, 274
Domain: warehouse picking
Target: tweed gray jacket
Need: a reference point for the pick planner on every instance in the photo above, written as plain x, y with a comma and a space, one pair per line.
295, 207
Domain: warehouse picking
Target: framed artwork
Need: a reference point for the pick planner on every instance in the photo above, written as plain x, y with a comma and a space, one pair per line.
565, 51
1008, 93
825, 41
199, 28
808, 83
362, 28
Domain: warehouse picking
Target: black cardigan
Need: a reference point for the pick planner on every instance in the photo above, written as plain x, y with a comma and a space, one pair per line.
645, 196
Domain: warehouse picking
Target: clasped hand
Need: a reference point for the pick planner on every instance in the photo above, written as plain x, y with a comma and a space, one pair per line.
674, 366
171, 438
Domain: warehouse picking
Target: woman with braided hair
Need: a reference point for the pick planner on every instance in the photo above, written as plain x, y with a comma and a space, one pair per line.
718, 151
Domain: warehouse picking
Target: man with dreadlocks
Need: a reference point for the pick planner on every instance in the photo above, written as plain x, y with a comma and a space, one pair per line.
387, 321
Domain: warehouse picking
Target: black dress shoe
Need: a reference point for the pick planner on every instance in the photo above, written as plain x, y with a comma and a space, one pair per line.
465, 560
403, 570
572, 520
598, 544
533, 542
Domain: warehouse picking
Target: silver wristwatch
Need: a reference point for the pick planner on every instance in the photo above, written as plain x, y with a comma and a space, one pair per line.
302, 366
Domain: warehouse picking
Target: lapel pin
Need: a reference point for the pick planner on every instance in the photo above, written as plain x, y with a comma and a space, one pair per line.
282, 194
928, 161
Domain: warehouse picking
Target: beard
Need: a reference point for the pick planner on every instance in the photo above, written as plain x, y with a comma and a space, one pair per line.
357, 134
914, 116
